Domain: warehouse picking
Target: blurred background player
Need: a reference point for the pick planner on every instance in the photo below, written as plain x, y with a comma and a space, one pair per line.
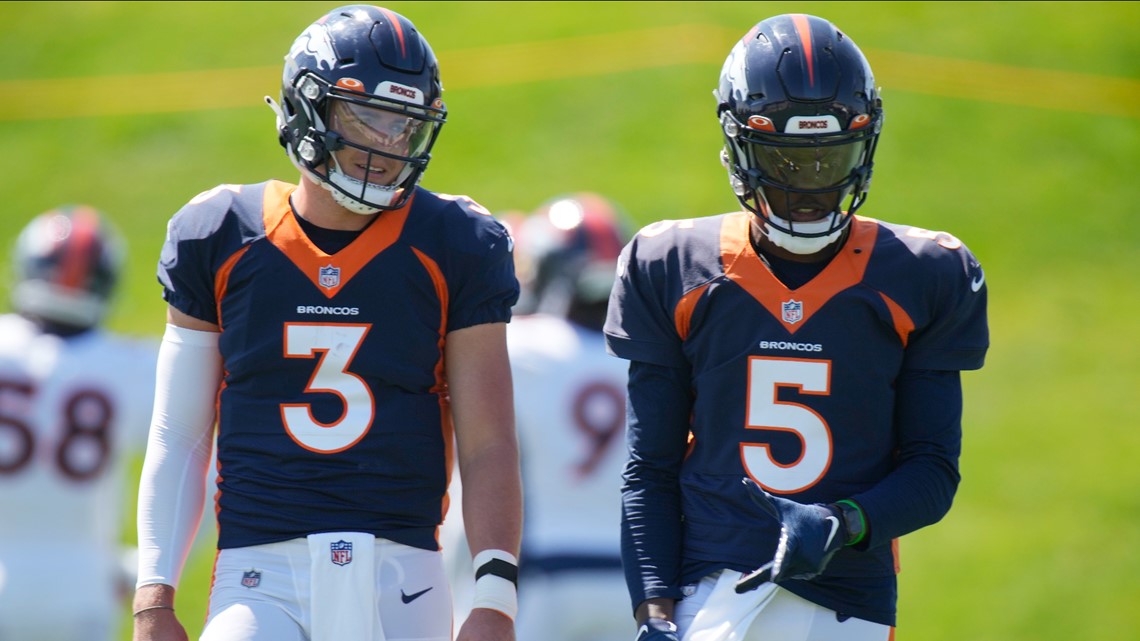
75, 400
570, 414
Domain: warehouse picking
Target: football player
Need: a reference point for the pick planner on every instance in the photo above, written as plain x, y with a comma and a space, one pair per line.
336, 330
570, 408
75, 403
794, 397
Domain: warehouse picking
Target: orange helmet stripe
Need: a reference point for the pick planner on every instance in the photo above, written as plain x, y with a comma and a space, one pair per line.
395, 20
803, 28
76, 266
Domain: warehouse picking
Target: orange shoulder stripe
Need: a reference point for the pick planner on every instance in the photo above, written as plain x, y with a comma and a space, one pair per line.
683, 313
904, 325
222, 279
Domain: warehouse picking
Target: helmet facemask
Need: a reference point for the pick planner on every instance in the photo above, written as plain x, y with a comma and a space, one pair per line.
805, 187
367, 150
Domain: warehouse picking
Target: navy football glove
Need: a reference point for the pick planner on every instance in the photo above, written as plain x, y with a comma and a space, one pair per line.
657, 630
809, 536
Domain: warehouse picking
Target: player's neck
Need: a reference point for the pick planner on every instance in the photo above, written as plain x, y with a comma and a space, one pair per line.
316, 205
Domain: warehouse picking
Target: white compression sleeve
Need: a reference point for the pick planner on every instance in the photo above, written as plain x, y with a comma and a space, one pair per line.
173, 484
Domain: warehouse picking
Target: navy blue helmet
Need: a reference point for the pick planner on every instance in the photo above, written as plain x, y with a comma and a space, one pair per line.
801, 117
66, 264
361, 106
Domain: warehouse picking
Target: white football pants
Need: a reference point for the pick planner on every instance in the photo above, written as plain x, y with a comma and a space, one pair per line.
715, 612
329, 587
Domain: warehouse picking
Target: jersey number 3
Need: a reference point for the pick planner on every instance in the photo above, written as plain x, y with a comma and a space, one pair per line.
334, 345
765, 377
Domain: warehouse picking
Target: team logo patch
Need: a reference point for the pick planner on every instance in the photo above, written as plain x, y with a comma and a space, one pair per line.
792, 311
251, 578
341, 552
329, 276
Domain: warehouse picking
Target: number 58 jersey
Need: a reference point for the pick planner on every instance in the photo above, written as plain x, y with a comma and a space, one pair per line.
794, 388
73, 411
333, 412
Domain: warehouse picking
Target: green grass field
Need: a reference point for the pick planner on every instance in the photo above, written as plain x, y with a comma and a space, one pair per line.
1015, 126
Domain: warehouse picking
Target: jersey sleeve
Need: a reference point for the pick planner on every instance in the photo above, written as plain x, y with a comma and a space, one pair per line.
957, 336
920, 490
486, 287
639, 323
190, 255
659, 403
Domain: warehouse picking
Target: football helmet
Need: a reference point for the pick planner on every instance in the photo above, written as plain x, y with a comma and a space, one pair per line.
66, 263
360, 106
801, 117
566, 257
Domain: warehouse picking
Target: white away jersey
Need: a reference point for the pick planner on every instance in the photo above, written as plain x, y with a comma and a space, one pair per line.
70, 410
570, 413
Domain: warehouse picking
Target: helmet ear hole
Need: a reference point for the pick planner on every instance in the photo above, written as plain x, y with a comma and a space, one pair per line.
311, 151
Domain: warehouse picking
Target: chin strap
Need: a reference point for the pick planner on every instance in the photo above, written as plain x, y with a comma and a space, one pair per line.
802, 244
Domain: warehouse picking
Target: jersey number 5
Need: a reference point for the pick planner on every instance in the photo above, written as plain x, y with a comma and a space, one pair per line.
334, 345
765, 377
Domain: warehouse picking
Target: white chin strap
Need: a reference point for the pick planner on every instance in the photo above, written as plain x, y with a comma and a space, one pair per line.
378, 195
348, 202
801, 244
383, 195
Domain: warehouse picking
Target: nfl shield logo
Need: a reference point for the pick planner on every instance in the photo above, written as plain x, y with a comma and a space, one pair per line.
793, 311
341, 552
251, 579
329, 276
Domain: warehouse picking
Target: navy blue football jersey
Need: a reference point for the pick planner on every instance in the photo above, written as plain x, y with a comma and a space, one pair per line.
333, 411
794, 388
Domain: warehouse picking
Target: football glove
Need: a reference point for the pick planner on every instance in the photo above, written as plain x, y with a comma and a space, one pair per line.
657, 630
809, 536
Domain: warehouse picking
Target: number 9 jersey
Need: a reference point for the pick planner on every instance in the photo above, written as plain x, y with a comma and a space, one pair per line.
793, 388
333, 411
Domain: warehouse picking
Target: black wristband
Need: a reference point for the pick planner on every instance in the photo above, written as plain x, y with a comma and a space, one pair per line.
499, 568
854, 521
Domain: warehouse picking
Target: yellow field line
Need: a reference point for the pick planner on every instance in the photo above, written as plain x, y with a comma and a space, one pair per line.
581, 56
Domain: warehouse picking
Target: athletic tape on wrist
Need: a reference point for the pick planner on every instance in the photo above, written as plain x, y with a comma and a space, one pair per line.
496, 580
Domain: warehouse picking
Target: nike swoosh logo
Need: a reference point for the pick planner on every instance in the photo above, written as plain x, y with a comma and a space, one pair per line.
976, 284
408, 598
834, 529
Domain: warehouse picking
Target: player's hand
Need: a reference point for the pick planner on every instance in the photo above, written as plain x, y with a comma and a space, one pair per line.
809, 536
158, 625
484, 624
657, 630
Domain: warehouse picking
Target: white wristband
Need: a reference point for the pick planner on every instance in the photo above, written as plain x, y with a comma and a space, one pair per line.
493, 591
